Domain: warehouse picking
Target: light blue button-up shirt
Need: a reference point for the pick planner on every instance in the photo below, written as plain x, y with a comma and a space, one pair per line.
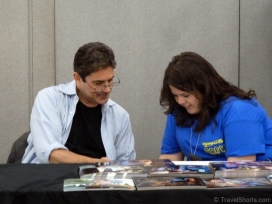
51, 122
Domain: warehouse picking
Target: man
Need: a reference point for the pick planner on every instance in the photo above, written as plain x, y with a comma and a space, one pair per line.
77, 122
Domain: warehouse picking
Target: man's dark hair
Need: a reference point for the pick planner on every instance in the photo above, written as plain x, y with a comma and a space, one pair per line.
91, 57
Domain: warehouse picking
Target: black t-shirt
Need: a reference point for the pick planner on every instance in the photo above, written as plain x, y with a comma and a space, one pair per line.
85, 135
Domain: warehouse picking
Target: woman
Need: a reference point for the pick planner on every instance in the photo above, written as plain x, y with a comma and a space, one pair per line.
208, 118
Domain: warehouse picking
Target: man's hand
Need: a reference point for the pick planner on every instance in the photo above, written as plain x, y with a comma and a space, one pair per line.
65, 156
104, 159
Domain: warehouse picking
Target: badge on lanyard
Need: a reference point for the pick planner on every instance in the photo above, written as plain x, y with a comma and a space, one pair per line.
194, 157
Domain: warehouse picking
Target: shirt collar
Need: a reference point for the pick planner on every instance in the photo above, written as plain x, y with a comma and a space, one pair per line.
70, 89
107, 105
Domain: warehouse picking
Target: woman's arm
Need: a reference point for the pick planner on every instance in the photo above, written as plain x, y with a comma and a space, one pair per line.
244, 158
173, 157
243, 129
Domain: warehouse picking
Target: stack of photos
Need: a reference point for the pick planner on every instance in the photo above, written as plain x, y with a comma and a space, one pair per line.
223, 183
122, 168
98, 184
168, 182
202, 171
143, 162
112, 172
159, 174
241, 169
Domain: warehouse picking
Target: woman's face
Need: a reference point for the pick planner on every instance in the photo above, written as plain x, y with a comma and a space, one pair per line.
187, 100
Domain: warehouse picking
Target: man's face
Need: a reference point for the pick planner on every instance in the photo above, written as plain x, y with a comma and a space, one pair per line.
88, 91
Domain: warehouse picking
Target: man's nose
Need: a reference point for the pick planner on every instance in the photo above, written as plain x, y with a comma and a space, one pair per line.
107, 88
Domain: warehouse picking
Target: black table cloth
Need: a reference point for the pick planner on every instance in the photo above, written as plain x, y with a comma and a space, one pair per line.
43, 183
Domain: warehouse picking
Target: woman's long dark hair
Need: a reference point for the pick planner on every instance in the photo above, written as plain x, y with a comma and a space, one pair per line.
191, 73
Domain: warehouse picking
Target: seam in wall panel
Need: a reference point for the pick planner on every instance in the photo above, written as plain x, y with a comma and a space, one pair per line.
239, 42
30, 50
55, 67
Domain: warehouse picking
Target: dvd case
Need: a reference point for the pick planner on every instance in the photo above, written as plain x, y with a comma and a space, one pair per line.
241, 169
202, 171
168, 182
223, 183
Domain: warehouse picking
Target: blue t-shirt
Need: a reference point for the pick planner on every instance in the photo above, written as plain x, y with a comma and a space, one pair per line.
243, 128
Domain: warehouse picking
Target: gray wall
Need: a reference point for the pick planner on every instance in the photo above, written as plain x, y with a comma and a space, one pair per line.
256, 49
39, 40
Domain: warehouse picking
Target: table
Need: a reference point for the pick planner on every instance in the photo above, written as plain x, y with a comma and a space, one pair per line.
43, 183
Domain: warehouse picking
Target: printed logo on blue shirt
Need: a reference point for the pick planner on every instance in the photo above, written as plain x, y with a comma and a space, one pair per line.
214, 147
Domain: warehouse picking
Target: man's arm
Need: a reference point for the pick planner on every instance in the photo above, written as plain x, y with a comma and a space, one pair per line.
124, 141
47, 126
66, 156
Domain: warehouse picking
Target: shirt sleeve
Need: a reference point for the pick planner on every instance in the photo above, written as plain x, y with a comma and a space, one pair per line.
125, 141
169, 141
243, 129
46, 125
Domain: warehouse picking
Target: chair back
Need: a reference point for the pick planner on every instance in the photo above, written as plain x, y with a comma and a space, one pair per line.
18, 149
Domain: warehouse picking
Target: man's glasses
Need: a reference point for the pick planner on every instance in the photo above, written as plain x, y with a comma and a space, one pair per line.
101, 88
